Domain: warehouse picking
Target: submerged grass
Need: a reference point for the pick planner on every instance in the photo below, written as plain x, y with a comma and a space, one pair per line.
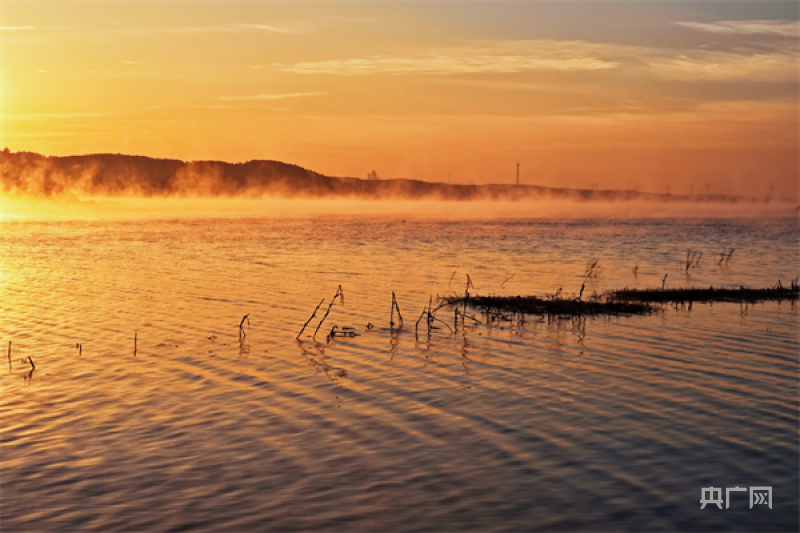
710, 294
533, 305
620, 302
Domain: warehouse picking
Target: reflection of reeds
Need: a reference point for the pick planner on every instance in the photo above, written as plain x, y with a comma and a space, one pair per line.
135, 342
331, 372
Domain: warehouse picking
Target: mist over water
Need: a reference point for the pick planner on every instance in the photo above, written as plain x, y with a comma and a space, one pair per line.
115, 208
67, 180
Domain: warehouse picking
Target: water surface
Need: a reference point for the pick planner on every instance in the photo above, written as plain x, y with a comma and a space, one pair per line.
582, 424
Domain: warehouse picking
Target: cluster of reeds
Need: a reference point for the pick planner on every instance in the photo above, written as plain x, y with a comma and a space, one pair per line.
340, 296
725, 258
22, 361
592, 268
429, 314
692, 259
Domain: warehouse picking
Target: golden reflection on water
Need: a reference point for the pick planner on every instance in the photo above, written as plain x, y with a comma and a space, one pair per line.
234, 423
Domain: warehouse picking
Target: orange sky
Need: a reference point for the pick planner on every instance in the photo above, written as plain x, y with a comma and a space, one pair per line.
685, 96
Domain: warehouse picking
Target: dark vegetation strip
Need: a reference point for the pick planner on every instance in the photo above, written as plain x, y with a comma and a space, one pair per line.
710, 294
532, 305
621, 302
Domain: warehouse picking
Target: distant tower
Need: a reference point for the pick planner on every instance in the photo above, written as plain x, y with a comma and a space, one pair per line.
517, 173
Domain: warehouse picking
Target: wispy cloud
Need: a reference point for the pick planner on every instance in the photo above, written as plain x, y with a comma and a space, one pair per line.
16, 28
265, 27
51, 116
783, 28
513, 56
777, 66
269, 96
228, 28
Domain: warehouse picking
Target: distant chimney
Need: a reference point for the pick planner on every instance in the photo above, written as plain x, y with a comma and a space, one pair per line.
517, 173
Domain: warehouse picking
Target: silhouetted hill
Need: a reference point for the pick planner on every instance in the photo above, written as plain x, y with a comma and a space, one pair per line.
31, 174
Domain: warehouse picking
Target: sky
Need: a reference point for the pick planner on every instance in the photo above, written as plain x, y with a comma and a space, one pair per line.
676, 97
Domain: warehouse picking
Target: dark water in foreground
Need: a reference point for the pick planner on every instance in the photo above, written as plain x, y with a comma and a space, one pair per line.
598, 424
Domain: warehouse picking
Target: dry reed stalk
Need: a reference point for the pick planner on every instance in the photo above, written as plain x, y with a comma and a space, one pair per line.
591, 265
242, 333
430, 304
692, 259
723, 258
443, 322
416, 327
450, 283
339, 294
664, 281
391, 316
310, 318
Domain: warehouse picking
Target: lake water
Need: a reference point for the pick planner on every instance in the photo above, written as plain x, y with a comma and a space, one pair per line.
595, 424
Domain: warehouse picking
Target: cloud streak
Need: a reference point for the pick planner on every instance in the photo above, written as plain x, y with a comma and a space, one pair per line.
265, 27
188, 30
783, 28
776, 66
270, 96
504, 58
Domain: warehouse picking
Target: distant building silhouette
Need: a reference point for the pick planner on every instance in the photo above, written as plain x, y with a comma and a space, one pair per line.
373, 176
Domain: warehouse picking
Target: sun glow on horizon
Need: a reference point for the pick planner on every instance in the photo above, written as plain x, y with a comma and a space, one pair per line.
693, 98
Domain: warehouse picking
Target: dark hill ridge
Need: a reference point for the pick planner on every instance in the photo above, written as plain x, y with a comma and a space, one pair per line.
32, 174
